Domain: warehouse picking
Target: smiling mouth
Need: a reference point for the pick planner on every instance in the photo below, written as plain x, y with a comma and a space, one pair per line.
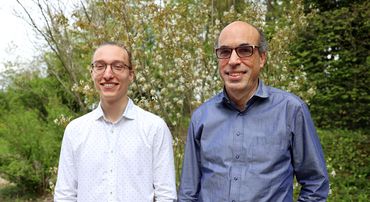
108, 85
236, 73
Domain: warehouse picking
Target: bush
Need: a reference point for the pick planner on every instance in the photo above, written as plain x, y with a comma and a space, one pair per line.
334, 52
346, 153
31, 151
347, 156
29, 135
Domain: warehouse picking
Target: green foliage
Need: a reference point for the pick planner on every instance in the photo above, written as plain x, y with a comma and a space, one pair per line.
284, 19
347, 160
32, 151
347, 156
337, 62
12, 193
30, 140
326, 5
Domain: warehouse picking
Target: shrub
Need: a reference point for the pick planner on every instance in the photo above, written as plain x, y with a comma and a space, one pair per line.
31, 150
346, 154
30, 134
334, 52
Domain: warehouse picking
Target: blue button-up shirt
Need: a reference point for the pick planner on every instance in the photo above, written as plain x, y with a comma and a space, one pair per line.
253, 155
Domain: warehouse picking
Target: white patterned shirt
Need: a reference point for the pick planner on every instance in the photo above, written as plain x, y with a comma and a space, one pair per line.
130, 160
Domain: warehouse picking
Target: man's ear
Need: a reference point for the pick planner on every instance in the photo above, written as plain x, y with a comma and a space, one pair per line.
132, 75
263, 59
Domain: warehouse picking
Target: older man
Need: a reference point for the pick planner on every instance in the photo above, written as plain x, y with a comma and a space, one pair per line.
249, 141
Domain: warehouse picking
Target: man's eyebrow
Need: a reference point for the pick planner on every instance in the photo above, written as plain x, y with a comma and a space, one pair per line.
224, 46
242, 44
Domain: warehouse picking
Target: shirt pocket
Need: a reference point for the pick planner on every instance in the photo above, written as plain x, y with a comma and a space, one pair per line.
266, 153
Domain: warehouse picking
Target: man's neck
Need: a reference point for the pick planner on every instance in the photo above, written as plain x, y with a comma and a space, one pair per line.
241, 98
113, 110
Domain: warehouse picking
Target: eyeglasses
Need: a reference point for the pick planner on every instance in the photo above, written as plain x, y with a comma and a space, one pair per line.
242, 51
117, 67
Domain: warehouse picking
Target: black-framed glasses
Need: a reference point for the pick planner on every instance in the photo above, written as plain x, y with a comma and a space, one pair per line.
117, 67
242, 51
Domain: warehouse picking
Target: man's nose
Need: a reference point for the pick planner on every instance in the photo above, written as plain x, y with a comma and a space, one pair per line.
234, 58
108, 73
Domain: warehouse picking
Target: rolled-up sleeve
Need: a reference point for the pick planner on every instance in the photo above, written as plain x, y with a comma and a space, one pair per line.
308, 158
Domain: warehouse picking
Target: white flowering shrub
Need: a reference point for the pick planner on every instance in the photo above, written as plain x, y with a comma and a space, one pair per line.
172, 44
173, 53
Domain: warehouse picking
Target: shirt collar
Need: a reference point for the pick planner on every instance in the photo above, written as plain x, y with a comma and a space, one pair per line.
262, 92
129, 112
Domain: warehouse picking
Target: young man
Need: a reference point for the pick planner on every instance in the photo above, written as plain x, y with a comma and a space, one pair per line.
248, 142
117, 152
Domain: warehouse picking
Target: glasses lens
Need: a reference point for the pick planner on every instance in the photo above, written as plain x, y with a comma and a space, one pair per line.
99, 67
118, 66
244, 51
224, 52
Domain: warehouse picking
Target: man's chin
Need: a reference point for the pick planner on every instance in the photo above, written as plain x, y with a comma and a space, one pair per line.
108, 96
234, 87
112, 96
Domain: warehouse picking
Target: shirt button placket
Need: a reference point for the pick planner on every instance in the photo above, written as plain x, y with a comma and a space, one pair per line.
111, 163
237, 153
238, 145
235, 180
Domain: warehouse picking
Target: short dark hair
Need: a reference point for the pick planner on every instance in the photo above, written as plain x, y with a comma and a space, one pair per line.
121, 45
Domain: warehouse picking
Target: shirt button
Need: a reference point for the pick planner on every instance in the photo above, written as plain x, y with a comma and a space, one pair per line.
237, 156
111, 151
233, 201
238, 133
111, 131
235, 178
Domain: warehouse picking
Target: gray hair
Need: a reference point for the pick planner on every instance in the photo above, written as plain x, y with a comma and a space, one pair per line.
263, 45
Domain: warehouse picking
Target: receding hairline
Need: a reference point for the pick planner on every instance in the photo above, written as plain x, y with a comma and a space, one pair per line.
239, 23
262, 38
236, 24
